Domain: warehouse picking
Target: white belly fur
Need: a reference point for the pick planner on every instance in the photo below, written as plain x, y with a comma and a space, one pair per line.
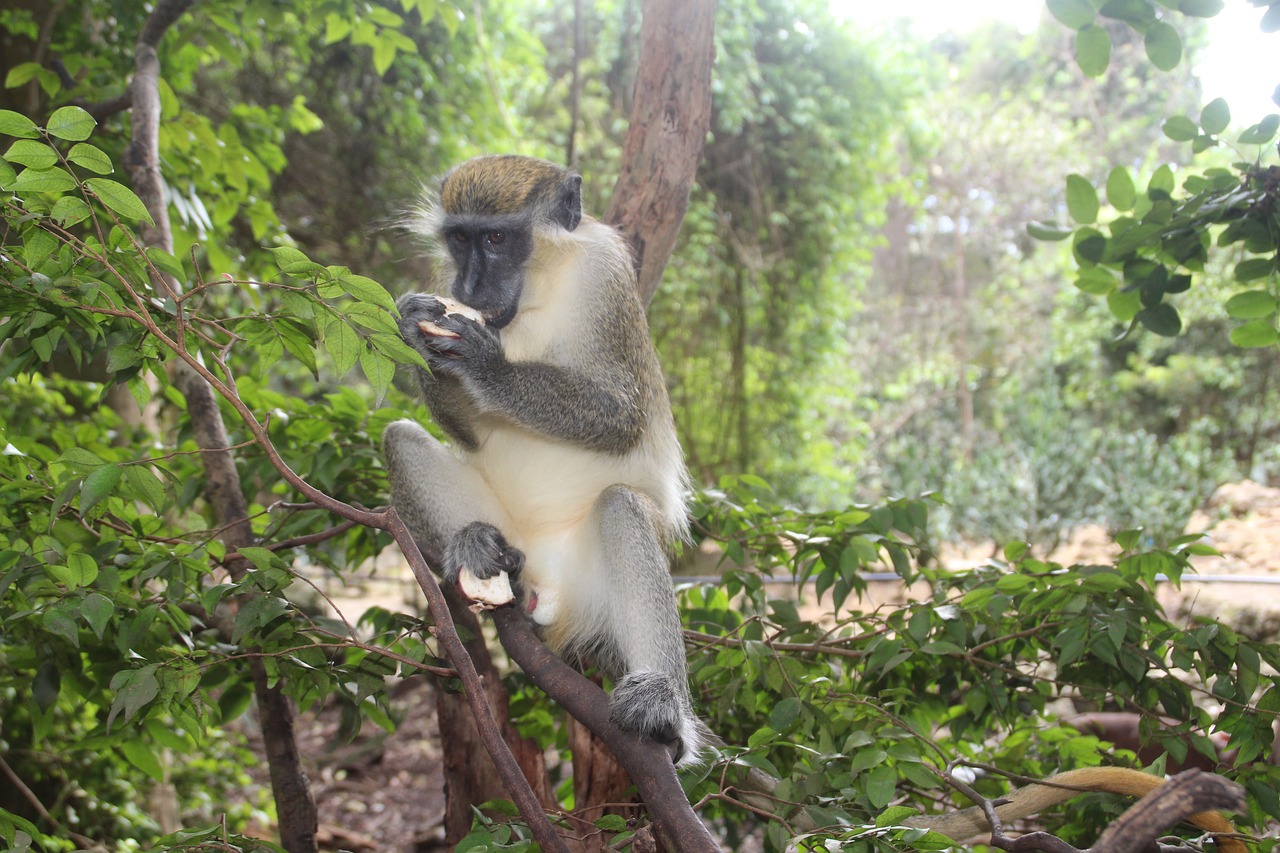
548, 490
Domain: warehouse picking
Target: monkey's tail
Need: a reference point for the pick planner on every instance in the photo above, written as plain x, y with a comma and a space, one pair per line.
969, 822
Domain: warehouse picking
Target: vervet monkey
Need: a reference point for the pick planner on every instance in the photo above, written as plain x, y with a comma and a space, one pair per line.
1031, 799
564, 470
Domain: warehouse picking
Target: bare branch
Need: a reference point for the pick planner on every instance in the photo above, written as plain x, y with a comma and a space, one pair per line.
647, 762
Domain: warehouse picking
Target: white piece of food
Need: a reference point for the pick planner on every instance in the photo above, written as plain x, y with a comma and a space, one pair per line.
489, 592
451, 306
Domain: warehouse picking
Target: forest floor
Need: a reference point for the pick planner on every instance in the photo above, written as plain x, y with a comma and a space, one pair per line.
385, 792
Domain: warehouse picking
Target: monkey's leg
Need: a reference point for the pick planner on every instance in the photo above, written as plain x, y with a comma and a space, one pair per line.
651, 693
447, 504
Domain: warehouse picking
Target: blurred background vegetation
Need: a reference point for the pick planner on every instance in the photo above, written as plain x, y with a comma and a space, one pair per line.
855, 309
855, 312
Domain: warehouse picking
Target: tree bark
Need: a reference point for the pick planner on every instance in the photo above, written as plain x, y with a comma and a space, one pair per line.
670, 118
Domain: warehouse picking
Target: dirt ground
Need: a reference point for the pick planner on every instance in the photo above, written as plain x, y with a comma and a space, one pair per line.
385, 792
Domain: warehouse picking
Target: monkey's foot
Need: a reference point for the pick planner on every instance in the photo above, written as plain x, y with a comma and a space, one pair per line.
479, 548
647, 704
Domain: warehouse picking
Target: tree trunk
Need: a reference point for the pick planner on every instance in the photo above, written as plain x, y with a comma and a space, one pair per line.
670, 117
295, 805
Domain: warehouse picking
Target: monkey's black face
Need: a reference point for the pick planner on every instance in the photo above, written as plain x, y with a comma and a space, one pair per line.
490, 253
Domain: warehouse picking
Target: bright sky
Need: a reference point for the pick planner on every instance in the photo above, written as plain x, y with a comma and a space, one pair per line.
1237, 49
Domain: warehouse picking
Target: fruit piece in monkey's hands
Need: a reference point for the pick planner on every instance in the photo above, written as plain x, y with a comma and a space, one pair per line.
487, 593
451, 306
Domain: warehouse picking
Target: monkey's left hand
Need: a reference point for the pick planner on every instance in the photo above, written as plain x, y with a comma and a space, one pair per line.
464, 346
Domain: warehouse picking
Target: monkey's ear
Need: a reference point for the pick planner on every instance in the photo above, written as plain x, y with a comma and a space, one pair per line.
567, 212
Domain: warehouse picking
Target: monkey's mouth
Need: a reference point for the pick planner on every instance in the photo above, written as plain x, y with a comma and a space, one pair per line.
500, 320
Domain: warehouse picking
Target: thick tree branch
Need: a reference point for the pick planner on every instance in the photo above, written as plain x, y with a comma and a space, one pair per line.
1190, 792
646, 761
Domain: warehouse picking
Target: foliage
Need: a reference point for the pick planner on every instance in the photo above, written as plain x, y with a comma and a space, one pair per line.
118, 608
1158, 237
866, 704
751, 324
124, 634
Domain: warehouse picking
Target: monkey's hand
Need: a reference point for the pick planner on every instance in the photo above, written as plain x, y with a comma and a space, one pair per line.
449, 341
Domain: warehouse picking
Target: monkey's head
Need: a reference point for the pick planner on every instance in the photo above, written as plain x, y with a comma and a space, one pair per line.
493, 209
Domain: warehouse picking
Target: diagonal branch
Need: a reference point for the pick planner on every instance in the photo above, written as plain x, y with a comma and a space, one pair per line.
646, 761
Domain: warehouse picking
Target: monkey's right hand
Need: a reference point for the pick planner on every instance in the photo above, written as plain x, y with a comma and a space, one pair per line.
450, 336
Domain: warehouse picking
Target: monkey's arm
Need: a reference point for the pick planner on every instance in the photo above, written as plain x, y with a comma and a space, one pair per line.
969, 822
599, 406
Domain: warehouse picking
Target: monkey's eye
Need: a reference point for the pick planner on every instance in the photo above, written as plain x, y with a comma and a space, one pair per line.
461, 237
495, 237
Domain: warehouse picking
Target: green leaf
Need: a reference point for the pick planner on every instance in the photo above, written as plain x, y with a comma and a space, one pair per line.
1200, 8
119, 199
140, 754
69, 210
1180, 129
1162, 319
1096, 279
1071, 13
1089, 246
1093, 50
379, 370
1120, 189
1255, 333
79, 570
18, 125
342, 343
90, 157
31, 153
1049, 231
21, 73
1124, 304
97, 609
1082, 199
1251, 305
879, 785
1254, 269
98, 485
58, 621
55, 180
287, 256
1136, 13
134, 688
1164, 46
71, 123
785, 714
366, 290
1215, 116
1262, 132
145, 485
1162, 182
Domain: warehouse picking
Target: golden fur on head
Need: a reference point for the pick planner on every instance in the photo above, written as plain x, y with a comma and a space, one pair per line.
498, 184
